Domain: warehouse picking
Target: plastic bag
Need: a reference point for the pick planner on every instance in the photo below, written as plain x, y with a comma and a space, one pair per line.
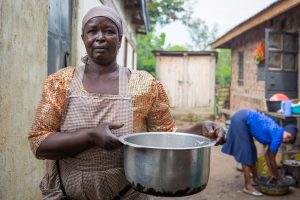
262, 167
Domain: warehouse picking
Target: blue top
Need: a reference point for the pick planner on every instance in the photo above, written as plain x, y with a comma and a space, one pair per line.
265, 130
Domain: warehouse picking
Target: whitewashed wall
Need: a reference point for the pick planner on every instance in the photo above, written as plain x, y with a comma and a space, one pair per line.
129, 57
23, 69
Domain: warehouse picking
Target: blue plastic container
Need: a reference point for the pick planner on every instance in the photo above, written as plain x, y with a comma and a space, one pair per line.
286, 107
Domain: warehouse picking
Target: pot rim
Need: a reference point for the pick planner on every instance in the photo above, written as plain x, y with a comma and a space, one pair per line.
122, 139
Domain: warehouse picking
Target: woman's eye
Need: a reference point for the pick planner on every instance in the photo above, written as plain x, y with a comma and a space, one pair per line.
109, 31
91, 31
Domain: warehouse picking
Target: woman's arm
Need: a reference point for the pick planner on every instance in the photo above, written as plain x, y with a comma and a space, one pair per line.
50, 110
46, 140
208, 129
271, 162
62, 145
160, 118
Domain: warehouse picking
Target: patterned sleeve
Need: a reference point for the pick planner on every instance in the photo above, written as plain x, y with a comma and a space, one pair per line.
159, 117
51, 107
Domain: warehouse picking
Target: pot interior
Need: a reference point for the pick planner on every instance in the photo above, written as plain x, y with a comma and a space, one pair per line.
166, 140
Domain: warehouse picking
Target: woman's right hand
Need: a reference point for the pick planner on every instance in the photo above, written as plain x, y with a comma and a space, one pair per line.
103, 137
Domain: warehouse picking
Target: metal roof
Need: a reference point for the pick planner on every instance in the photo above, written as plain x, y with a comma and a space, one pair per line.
139, 14
266, 14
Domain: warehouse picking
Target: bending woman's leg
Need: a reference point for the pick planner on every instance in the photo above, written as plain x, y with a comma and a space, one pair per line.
247, 178
254, 172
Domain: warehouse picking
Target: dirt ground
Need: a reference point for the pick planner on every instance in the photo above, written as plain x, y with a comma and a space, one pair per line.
226, 183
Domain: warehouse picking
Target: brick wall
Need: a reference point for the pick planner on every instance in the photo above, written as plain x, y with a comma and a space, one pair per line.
252, 93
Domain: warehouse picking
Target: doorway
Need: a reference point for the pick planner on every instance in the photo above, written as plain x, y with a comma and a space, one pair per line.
59, 34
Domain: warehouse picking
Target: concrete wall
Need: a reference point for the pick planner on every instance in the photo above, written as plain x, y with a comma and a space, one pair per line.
252, 93
23, 68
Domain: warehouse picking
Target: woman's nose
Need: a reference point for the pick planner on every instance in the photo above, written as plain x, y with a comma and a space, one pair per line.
99, 35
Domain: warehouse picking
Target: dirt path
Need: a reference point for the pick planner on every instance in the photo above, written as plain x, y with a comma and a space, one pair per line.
226, 182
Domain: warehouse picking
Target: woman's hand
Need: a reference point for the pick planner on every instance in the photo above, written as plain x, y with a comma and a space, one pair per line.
213, 131
274, 179
271, 162
208, 129
103, 137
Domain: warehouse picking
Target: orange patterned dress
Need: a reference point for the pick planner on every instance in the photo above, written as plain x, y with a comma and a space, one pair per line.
151, 110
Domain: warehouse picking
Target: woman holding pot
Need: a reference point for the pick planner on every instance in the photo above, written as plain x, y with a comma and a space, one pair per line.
84, 110
246, 125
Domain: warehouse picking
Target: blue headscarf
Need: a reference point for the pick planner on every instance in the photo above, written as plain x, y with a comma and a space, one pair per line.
292, 129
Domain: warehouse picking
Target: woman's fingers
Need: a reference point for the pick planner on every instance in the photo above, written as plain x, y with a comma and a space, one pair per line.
221, 136
271, 179
115, 125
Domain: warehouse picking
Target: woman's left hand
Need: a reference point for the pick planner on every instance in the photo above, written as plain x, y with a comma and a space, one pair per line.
208, 129
213, 131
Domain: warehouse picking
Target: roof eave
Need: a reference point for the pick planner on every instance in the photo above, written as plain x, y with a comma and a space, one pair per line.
266, 14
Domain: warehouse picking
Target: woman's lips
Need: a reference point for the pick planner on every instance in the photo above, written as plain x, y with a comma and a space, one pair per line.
100, 49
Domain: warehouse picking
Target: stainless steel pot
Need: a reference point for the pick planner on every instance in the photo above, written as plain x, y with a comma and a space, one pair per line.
167, 164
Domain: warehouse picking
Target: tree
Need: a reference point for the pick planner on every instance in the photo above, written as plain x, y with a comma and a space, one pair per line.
165, 11
223, 72
160, 12
176, 47
146, 44
200, 34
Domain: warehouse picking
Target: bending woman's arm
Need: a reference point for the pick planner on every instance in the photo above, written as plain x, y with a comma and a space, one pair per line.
271, 162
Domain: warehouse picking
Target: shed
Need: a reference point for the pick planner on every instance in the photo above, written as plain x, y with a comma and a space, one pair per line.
278, 27
188, 77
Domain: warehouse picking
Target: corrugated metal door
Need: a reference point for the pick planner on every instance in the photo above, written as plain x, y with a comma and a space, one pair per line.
59, 34
281, 63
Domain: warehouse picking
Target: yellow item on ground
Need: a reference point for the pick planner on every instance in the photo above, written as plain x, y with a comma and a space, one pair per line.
262, 167
297, 156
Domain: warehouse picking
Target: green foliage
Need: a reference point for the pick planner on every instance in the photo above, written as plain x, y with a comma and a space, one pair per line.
223, 72
176, 47
164, 11
159, 12
146, 44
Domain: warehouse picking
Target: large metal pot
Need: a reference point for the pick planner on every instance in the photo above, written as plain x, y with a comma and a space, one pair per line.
167, 164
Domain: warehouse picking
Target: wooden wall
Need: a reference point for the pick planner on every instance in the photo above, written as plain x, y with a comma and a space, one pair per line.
189, 80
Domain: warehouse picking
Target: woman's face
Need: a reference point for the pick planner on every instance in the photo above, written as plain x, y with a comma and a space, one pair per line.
287, 137
101, 40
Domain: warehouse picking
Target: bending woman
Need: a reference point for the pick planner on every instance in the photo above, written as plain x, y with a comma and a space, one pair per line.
246, 125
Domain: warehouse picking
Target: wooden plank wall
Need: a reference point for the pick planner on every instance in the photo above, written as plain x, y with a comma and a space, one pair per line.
189, 80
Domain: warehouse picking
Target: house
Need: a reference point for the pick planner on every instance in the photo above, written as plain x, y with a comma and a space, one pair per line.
37, 39
191, 86
278, 27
